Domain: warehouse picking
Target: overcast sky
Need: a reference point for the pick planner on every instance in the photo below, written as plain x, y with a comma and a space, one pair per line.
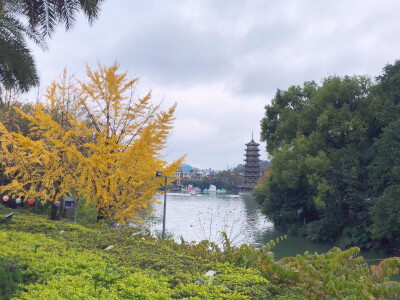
222, 61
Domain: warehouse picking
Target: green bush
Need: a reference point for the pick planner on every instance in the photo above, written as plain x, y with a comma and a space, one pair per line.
60, 260
10, 278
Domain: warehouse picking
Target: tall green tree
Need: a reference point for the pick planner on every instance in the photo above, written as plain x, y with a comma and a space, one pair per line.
317, 136
335, 170
385, 168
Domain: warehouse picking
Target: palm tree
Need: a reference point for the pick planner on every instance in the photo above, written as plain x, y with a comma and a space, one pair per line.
17, 65
44, 15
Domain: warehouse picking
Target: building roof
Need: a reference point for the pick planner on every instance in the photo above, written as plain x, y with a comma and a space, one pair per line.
252, 143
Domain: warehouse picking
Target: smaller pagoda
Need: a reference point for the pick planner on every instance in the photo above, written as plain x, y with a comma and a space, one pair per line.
252, 173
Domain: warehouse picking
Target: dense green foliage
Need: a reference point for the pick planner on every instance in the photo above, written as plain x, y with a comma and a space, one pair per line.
335, 169
59, 260
222, 180
10, 278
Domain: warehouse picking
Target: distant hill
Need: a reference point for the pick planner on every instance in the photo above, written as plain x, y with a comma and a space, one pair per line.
189, 168
186, 168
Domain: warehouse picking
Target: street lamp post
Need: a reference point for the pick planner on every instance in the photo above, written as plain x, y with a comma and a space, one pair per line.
159, 174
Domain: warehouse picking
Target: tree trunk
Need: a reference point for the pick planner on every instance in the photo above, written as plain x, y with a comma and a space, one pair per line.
62, 209
53, 213
100, 215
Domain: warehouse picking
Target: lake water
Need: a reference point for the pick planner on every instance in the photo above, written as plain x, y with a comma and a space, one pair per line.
199, 217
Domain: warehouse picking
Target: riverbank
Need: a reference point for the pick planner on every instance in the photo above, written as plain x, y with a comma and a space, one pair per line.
59, 260
199, 217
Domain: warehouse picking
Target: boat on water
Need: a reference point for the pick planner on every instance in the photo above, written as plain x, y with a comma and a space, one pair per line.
191, 190
212, 189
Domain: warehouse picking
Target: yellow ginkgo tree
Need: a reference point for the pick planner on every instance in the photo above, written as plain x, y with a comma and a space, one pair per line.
105, 145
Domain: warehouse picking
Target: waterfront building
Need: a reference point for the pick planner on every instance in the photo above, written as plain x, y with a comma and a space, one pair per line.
251, 171
178, 178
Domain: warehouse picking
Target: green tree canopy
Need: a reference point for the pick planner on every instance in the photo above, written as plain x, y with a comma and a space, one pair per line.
335, 159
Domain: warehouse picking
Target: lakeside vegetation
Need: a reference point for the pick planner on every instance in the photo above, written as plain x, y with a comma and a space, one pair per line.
334, 176
43, 259
335, 160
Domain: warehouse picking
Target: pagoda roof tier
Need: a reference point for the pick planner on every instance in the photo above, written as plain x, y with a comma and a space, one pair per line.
252, 143
251, 150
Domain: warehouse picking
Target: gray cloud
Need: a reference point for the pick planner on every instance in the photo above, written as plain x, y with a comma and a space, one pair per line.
222, 61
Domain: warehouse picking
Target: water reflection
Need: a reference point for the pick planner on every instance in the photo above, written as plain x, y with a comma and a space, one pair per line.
198, 217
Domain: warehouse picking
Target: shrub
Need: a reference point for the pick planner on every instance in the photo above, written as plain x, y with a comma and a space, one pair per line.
59, 260
10, 278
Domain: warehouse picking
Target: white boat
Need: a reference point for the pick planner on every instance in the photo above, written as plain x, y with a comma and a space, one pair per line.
212, 189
